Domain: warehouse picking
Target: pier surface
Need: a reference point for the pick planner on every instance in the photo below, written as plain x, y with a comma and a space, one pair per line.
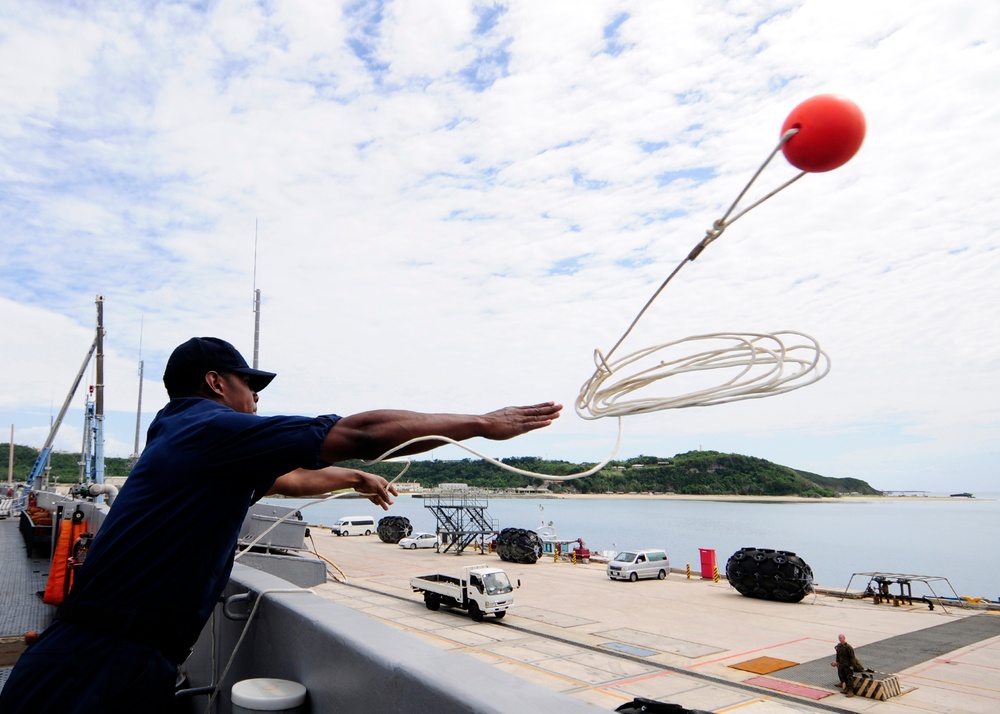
691, 642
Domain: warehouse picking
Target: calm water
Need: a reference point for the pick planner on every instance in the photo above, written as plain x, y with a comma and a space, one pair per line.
955, 538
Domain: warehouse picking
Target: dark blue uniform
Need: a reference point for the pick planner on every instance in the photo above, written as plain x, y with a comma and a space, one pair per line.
161, 559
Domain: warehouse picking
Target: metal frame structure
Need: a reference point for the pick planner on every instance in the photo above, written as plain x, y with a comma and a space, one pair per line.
460, 520
37, 480
904, 580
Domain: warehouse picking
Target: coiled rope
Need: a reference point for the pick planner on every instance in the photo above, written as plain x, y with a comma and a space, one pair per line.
763, 364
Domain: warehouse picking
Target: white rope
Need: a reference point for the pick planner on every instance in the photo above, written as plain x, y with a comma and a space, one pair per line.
246, 628
761, 364
331, 496
255, 541
507, 467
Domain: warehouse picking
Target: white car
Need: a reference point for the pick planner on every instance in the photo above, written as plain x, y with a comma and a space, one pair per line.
419, 540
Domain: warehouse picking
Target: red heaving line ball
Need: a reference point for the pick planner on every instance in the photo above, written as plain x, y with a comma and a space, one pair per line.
831, 129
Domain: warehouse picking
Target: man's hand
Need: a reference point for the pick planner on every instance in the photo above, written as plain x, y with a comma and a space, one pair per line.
378, 490
509, 422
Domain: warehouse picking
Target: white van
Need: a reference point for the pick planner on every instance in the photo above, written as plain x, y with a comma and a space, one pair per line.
354, 525
635, 564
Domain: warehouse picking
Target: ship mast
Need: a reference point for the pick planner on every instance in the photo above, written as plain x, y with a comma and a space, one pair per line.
99, 398
138, 408
256, 302
10, 460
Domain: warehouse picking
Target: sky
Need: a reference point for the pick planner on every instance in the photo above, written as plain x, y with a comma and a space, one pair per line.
450, 206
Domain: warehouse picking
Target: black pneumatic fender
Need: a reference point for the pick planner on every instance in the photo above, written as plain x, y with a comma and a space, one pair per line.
392, 529
517, 545
769, 574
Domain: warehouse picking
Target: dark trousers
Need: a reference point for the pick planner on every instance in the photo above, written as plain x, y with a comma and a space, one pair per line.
71, 670
846, 675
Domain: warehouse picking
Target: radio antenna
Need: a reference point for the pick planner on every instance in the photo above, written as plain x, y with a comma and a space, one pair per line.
256, 301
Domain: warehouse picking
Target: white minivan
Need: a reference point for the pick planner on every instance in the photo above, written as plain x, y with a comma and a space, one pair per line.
635, 564
354, 525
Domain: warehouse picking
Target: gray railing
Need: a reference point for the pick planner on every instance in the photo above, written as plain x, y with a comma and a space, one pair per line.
347, 661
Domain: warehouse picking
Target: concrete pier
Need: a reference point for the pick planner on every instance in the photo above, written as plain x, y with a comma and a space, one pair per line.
691, 642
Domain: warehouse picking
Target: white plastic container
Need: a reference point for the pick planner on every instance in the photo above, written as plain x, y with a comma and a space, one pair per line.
278, 696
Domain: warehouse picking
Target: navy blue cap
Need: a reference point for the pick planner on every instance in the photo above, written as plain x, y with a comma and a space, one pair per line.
190, 362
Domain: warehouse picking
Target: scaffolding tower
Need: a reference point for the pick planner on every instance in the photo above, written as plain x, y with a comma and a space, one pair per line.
460, 520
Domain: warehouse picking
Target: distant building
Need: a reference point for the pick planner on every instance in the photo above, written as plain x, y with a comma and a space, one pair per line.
531, 489
454, 487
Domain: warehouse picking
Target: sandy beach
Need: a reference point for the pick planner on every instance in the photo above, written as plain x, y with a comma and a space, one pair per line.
723, 497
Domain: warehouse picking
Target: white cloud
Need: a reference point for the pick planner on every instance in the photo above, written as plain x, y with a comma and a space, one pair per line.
436, 238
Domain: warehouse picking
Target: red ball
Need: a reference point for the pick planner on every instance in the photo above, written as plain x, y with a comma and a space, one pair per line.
830, 131
30, 637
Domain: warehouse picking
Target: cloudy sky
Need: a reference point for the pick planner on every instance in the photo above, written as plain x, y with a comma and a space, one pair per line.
455, 203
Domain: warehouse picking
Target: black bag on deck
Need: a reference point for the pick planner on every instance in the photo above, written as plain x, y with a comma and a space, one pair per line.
640, 705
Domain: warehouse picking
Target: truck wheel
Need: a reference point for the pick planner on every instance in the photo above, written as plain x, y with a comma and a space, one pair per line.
633, 577
661, 575
474, 612
432, 601
499, 615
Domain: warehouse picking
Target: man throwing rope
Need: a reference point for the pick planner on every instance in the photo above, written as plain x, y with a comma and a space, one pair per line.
164, 554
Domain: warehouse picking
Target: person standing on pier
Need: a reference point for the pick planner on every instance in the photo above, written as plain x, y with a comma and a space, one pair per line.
847, 664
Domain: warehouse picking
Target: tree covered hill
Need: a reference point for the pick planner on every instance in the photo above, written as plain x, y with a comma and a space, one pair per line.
65, 466
693, 473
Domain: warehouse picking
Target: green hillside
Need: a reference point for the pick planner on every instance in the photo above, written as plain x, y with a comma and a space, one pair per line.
694, 473
65, 466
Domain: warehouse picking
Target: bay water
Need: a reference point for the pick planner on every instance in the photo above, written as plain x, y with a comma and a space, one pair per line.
953, 538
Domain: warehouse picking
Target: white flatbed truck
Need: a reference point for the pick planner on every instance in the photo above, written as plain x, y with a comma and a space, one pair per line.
480, 589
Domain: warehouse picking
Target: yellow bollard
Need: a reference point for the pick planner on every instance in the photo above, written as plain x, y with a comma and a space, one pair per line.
689, 571
715, 574
555, 556
574, 557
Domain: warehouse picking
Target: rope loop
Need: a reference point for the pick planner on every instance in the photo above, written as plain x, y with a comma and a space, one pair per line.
760, 364
755, 365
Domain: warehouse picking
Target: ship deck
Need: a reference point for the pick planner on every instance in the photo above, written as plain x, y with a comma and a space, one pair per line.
692, 642
687, 641
21, 607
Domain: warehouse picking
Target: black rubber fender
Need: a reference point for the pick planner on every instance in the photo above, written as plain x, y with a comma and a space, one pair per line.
518, 545
768, 574
392, 529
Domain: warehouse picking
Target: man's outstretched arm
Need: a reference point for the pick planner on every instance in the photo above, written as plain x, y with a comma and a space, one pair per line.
368, 435
302, 483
